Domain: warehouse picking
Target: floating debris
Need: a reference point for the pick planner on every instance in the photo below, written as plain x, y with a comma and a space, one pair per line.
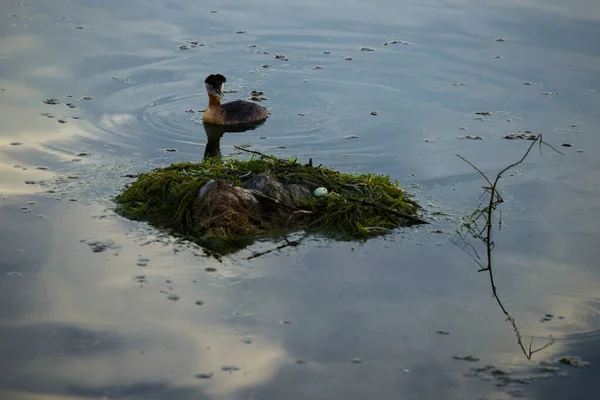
504, 377
252, 45
580, 150
206, 375
357, 360
366, 49
256, 93
527, 83
497, 56
100, 246
547, 317
190, 110
70, 105
549, 93
396, 42
573, 361
16, 143
520, 135
326, 52
566, 145
210, 269
483, 113
183, 47
79, 27
281, 57
230, 368
374, 113
351, 137
240, 32
500, 39
126, 80
61, 121
348, 58
142, 261
259, 98
47, 115
169, 150
317, 67
51, 101
466, 358
199, 303
442, 332
545, 366
266, 66
458, 84
87, 98
469, 137
82, 154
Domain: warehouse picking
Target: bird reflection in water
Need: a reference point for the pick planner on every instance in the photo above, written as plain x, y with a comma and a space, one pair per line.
214, 133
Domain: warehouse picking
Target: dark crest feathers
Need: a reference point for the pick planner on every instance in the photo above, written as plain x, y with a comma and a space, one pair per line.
215, 79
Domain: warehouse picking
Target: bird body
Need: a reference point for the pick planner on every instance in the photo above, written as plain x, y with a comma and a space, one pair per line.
232, 113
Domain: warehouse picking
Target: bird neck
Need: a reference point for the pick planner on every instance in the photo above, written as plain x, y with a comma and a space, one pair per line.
213, 113
214, 102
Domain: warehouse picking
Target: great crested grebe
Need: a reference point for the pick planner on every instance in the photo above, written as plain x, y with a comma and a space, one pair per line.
232, 113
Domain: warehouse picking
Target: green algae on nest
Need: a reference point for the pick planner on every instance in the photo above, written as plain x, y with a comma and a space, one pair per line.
216, 201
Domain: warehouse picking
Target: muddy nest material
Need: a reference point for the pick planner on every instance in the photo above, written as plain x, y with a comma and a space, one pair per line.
229, 203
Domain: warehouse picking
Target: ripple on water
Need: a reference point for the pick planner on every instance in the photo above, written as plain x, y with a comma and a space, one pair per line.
150, 119
571, 318
582, 324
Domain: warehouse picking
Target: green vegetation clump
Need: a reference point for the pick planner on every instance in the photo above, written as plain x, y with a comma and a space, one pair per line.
230, 216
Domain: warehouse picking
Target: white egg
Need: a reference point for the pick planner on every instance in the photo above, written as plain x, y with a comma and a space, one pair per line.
320, 192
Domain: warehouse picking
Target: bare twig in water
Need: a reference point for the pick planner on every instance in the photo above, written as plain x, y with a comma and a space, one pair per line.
485, 235
258, 153
288, 243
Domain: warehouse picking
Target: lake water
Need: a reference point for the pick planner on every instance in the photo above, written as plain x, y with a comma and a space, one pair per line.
386, 319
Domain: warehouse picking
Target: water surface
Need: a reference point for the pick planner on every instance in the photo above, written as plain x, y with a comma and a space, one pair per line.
125, 323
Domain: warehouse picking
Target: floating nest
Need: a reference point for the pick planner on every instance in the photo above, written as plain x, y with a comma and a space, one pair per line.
226, 204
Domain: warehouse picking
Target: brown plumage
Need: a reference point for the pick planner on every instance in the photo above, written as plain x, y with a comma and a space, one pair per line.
232, 113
